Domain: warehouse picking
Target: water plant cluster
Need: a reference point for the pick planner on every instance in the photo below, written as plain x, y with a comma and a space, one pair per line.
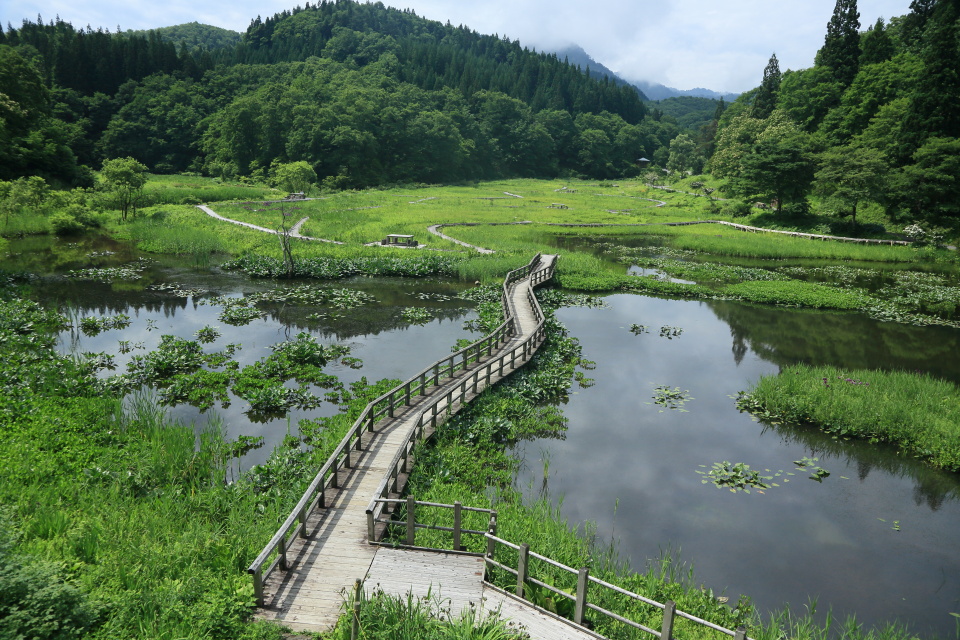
675, 398
93, 325
421, 264
132, 271
739, 477
184, 373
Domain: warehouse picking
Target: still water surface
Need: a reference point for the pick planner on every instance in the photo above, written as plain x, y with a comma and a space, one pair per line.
878, 536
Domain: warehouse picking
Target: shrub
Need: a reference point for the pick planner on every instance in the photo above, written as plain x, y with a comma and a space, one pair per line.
35, 602
735, 209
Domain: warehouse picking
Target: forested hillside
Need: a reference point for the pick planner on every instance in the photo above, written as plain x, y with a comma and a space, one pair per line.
364, 93
874, 123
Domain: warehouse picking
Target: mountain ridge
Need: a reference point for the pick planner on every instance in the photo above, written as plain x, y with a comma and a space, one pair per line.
652, 91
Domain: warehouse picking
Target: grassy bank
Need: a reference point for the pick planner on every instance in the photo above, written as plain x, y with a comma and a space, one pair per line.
918, 414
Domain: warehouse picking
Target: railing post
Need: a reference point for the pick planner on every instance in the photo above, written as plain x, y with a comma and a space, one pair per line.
258, 586
371, 527
373, 413
406, 395
282, 550
666, 630
423, 383
522, 562
456, 526
581, 606
411, 529
355, 626
302, 517
436, 374
390, 403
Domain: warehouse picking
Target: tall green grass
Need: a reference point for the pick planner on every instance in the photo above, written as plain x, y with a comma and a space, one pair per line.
186, 189
387, 617
162, 236
913, 411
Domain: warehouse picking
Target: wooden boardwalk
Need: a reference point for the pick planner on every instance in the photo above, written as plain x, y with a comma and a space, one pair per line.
322, 566
454, 582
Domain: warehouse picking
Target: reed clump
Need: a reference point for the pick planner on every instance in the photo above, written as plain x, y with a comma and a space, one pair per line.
912, 410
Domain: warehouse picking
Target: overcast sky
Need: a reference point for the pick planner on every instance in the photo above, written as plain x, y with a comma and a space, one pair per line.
719, 45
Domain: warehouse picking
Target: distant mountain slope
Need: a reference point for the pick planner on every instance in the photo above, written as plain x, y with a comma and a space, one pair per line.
690, 112
575, 55
432, 55
656, 91
197, 36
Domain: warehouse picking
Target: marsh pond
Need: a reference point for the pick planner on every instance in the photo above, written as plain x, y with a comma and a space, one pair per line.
853, 527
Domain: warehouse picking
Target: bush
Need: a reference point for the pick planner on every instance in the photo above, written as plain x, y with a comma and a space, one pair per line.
735, 209
65, 224
35, 602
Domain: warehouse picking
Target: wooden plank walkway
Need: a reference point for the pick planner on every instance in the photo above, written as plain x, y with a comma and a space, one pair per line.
454, 582
323, 566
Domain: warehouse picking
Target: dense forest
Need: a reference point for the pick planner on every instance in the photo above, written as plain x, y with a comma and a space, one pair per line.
367, 95
364, 93
874, 123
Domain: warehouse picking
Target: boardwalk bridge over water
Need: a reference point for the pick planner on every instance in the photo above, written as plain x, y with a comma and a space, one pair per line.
331, 540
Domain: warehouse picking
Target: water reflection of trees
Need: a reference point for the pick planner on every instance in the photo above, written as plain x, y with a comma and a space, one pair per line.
851, 340
362, 321
930, 487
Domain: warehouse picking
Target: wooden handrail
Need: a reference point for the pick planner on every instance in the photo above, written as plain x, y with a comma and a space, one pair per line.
296, 523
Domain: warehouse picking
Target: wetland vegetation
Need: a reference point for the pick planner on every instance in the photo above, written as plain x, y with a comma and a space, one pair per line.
76, 531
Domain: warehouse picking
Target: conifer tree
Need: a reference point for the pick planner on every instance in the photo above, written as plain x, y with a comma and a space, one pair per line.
841, 47
766, 99
933, 104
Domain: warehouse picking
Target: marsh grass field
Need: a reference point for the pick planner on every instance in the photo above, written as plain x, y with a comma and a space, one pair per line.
103, 523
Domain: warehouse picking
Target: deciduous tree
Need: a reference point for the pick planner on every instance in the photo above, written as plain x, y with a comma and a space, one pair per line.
125, 179
295, 177
851, 175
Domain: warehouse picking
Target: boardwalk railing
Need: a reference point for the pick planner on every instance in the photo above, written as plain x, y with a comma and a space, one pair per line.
432, 414
520, 566
274, 554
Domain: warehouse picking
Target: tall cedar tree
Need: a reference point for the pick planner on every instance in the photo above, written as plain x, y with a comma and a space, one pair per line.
766, 99
841, 48
933, 106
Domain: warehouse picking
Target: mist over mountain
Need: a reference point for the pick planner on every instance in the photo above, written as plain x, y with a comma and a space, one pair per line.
656, 91
575, 55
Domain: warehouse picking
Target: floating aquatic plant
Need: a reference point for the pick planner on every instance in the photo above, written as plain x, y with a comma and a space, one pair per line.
669, 332
416, 315
738, 477
669, 398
